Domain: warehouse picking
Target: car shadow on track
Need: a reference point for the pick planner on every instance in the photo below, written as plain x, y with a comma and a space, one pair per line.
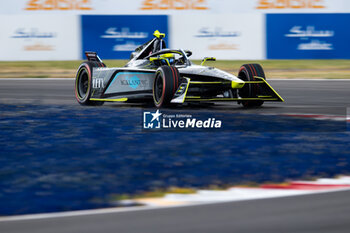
197, 107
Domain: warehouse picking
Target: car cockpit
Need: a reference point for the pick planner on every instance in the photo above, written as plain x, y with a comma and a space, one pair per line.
156, 53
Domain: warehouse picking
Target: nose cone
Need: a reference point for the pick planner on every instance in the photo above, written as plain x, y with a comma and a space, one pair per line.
237, 84
209, 71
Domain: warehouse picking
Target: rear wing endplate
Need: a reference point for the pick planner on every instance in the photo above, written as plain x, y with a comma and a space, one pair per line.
92, 56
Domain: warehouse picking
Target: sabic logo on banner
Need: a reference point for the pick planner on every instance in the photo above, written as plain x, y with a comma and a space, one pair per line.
290, 4
174, 5
45, 5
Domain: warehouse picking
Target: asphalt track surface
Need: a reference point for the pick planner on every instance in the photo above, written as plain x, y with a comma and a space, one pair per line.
327, 212
301, 96
319, 213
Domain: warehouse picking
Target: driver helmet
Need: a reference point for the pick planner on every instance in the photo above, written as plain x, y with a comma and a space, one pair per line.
168, 58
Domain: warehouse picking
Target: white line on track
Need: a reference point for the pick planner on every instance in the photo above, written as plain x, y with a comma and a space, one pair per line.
305, 79
154, 207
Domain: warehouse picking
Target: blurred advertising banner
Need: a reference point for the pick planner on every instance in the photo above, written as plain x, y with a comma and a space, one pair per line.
239, 36
116, 36
173, 6
308, 36
39, 37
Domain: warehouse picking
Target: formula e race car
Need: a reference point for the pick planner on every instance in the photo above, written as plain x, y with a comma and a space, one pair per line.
168, 77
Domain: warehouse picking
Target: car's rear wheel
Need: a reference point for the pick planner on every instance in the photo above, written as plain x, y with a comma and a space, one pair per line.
248, 72
166, 82
83, 84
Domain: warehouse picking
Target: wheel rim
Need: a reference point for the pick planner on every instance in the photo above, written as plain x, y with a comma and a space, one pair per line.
158, 88
83, 84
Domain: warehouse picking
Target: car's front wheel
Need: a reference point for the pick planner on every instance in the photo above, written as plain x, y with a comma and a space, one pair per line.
248, 72
166, 82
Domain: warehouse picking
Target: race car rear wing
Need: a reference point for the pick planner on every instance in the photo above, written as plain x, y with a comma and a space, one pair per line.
92, 56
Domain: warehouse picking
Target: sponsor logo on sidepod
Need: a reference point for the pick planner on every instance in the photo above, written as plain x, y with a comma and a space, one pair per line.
133, 82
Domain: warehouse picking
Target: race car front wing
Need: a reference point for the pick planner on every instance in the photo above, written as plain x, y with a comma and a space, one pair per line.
268, 93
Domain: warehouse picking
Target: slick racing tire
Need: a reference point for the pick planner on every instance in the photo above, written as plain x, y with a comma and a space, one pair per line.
247, 73
165, 85
83, 84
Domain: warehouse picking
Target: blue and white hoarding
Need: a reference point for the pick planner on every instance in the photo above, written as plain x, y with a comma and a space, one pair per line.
39, 37
239, 36
116, 36
308, 36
